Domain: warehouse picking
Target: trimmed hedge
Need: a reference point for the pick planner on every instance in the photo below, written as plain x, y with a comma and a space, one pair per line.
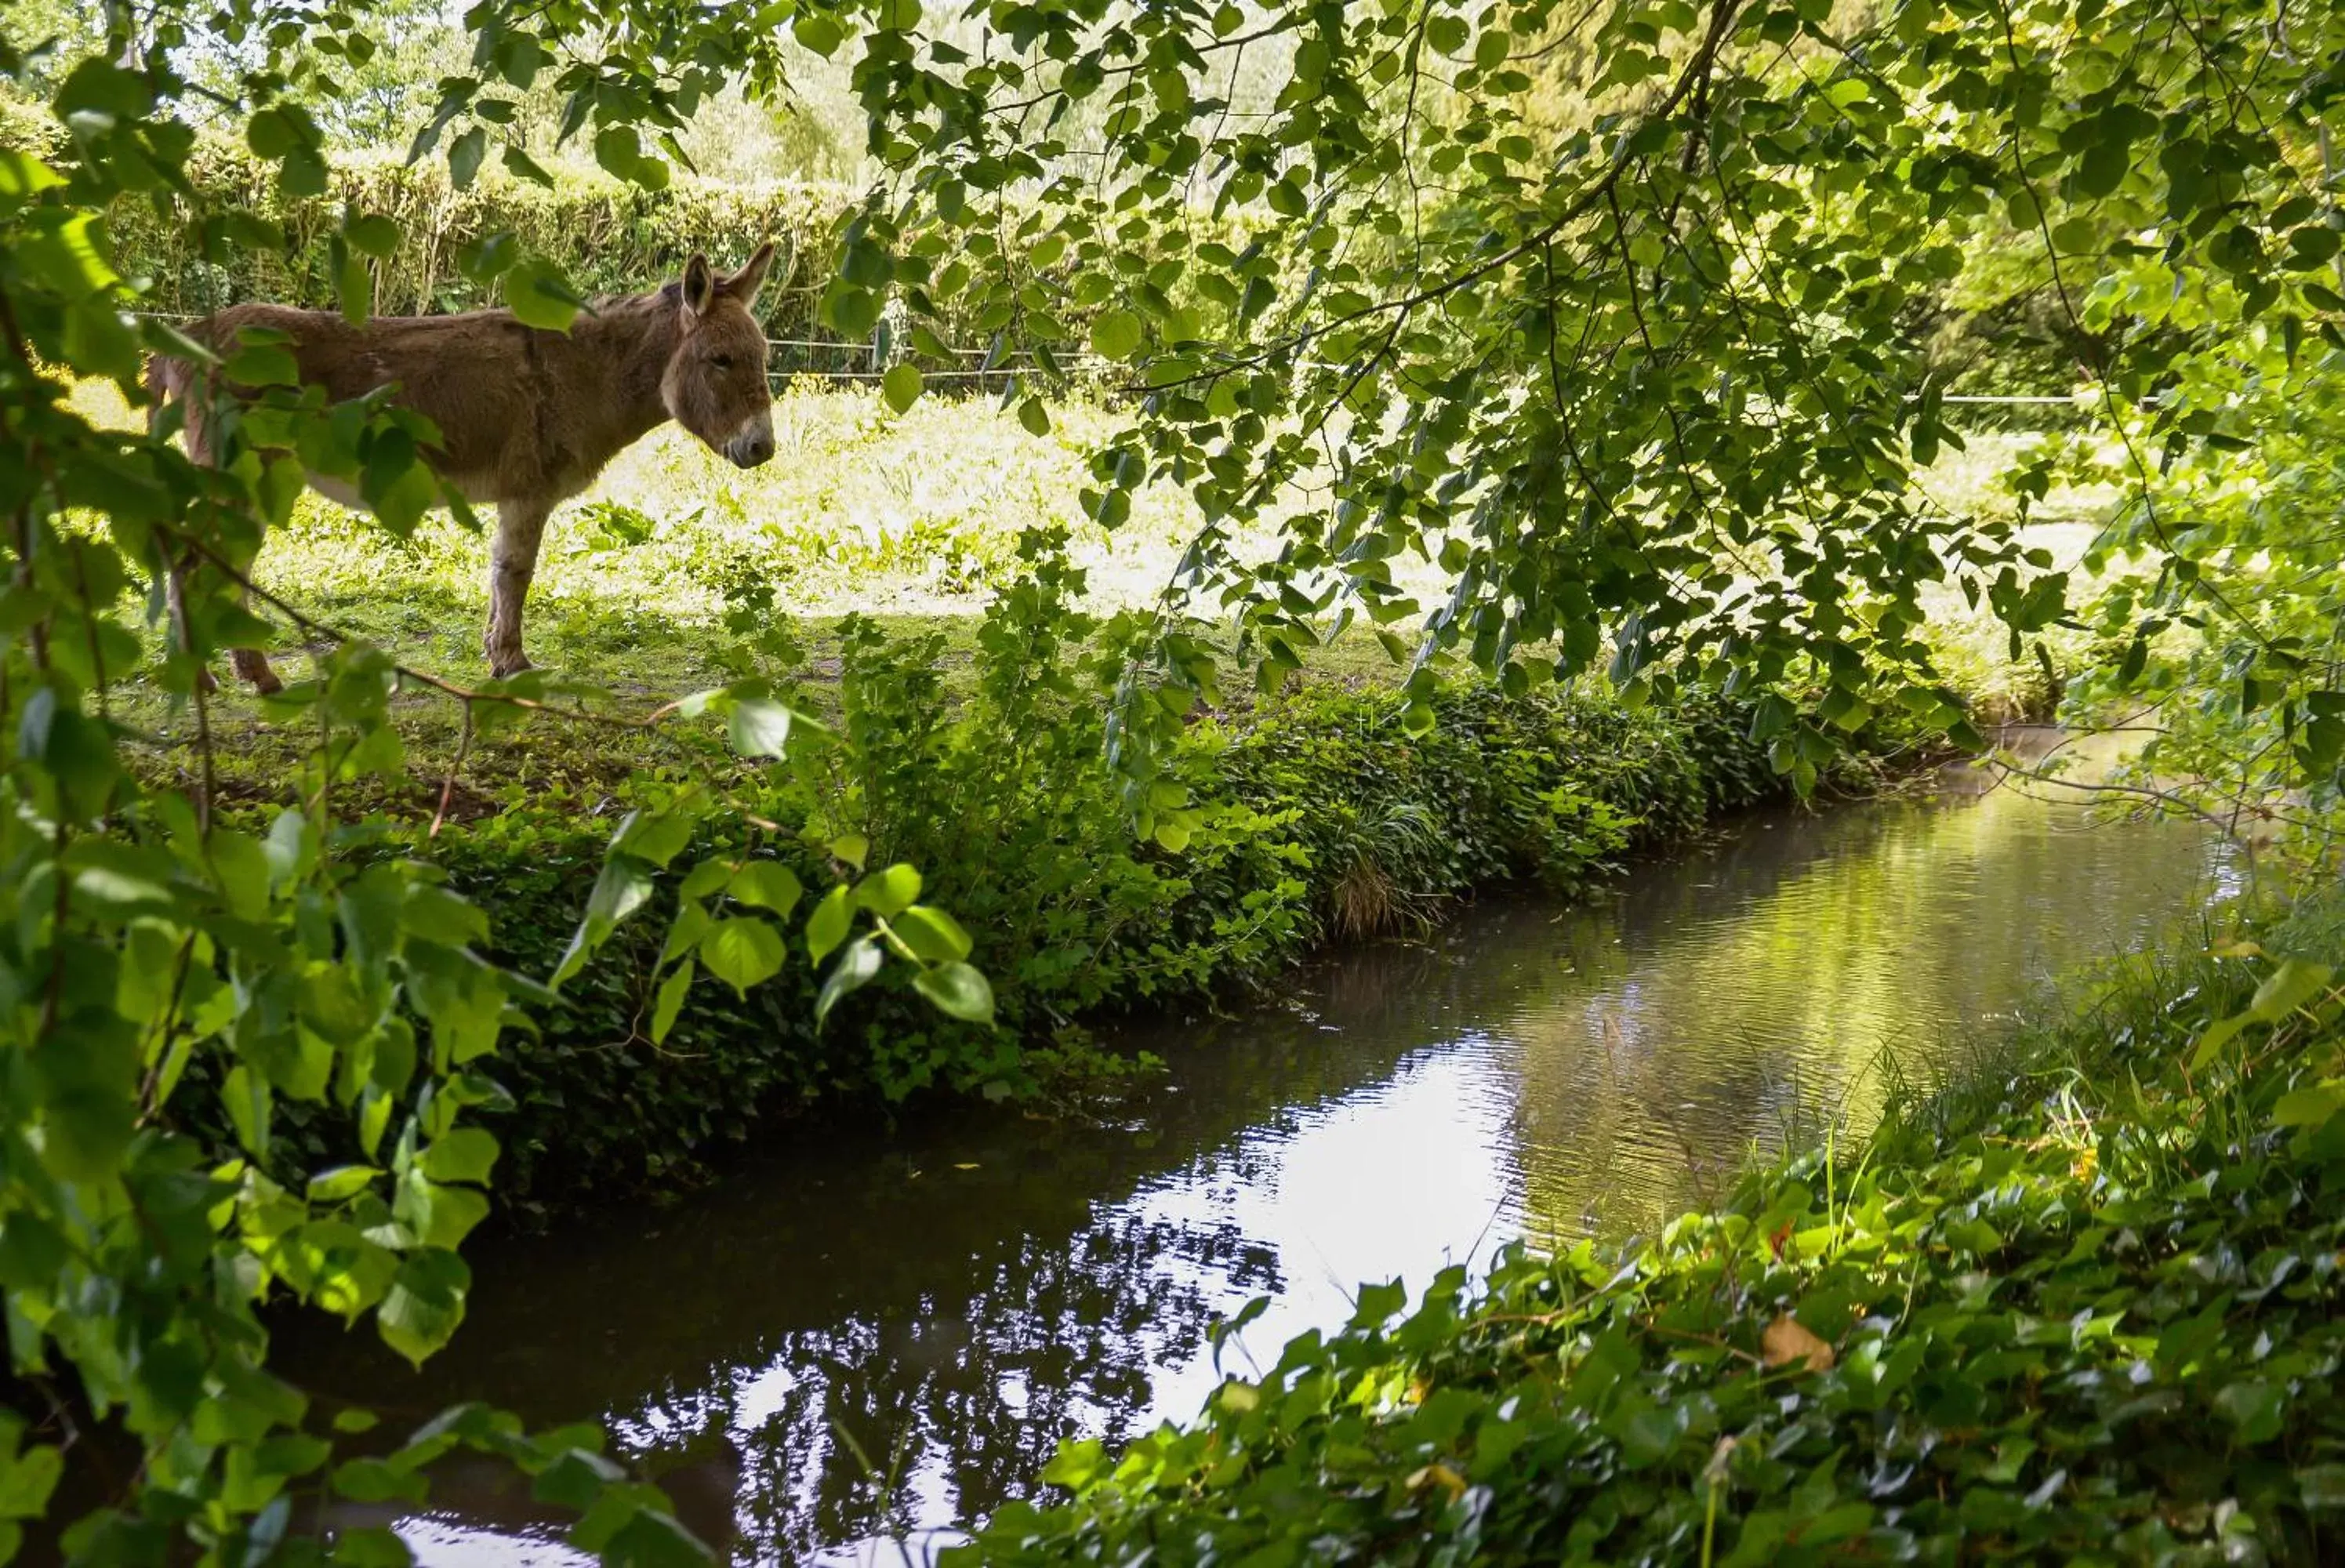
607, 236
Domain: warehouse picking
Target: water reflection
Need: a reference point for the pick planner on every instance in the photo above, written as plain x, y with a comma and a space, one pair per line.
1789, 978
863, 1343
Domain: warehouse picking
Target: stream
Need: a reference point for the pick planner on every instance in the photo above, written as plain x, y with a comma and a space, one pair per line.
859, 1342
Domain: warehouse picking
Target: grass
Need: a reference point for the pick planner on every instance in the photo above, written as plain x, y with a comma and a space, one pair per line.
912, 519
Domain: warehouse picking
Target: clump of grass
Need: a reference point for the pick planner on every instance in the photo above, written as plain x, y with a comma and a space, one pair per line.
1375, 893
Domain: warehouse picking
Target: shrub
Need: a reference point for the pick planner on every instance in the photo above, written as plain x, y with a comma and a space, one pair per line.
1001, 795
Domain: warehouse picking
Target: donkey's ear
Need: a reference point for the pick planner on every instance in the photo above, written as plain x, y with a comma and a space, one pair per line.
743, 284
699, 285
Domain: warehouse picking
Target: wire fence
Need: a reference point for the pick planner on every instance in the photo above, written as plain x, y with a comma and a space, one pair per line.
873, 359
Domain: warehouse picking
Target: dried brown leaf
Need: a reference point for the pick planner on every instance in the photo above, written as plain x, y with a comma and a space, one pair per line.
1786, 1341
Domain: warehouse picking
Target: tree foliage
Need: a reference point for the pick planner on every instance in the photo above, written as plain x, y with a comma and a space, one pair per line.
1647, 388
165, 945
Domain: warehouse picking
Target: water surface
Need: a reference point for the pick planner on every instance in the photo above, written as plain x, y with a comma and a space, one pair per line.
861, 1342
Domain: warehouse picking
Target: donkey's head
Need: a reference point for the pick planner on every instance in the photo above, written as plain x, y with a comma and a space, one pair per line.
715, 384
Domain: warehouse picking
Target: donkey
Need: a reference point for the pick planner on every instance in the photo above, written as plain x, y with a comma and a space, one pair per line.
527, 418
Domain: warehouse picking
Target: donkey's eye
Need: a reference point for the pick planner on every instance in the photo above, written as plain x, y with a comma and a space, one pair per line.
721, 361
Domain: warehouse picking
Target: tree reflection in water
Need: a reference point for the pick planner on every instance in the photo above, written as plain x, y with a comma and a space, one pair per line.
954, 1403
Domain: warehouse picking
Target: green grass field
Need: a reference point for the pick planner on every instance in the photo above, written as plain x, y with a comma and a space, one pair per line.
912, 519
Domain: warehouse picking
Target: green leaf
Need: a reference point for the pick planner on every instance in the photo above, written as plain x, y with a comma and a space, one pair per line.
856, 968
654, 1539
341, 1182
2215, 1037
766, 884
2291, 986
2310, 1106
707, 877
743, 951
935, 936
378, 1481
461, 1154
426, 1304
670, 1000
624, 887
655, 836
684, 933
827, 927
464, 155
760, 727
575, 1479
372, 234
246, 1097
1116, 334
269, 133
540, 296
652, 173
28, 1479
957, 989
820, 31
2256, 1406
23, 175
890, 891
852, 311
901, 387
2103, 169
97, 85
2287, 988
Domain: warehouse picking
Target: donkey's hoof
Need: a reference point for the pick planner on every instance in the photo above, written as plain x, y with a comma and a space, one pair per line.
266, 684
503, 666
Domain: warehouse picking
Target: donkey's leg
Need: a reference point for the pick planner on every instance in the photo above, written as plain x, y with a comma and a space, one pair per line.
167, 380
512, 561
252, 665
174, 600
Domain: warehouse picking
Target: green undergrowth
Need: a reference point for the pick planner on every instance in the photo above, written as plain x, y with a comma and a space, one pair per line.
2085, 1306
978, 754
1316, 816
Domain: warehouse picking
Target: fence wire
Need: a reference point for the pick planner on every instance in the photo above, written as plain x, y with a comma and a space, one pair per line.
878, 351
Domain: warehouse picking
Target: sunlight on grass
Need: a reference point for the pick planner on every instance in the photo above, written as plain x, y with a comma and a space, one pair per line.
914, 518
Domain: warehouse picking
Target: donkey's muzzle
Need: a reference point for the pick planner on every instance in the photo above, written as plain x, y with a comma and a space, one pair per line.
750, 447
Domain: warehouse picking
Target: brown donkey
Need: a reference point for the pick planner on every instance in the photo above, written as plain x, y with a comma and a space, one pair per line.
527, 418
